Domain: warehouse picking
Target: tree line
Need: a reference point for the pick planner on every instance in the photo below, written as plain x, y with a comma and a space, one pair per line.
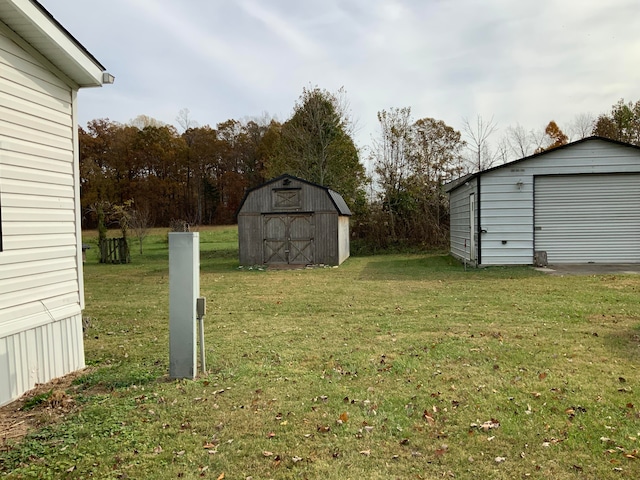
199, 174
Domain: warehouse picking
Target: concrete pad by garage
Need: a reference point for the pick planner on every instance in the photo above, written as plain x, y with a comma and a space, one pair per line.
592, 269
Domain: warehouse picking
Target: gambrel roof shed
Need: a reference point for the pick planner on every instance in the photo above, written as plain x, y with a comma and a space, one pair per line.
579, 203
290, 221
41, 290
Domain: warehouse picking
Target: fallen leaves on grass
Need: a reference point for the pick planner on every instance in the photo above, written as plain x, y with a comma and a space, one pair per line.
441, 451
572, 411
486, 426
551, 441
429, 418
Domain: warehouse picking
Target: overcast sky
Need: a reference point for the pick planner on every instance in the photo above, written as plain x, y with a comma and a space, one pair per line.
526, 61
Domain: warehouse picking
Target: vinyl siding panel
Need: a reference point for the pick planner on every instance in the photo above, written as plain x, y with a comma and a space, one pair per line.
38, 355
44, 261
19, 200
40, 288
35, 244
21, 68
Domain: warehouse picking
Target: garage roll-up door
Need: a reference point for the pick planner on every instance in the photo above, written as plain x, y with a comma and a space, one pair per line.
588, 218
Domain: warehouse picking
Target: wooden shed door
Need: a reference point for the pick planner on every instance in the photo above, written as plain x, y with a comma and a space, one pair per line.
288, 238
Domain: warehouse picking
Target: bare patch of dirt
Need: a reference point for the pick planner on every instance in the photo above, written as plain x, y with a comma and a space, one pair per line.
45, 404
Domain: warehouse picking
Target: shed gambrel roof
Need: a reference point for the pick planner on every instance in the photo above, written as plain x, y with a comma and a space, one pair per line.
33, 27
454, 184
336, 198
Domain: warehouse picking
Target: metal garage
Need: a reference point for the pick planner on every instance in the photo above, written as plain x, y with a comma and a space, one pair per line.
588, 218
578, 203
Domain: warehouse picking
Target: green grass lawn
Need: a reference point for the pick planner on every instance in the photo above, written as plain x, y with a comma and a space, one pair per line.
398, 366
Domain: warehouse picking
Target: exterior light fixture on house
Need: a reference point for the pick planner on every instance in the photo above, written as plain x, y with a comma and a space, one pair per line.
107, 78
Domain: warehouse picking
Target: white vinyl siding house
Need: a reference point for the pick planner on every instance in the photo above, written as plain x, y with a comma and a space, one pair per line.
579, 203
41, 289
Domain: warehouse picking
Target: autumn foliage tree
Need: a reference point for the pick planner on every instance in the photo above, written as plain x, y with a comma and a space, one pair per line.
316, 145
412, 160
199, 176
554, 137
622, 123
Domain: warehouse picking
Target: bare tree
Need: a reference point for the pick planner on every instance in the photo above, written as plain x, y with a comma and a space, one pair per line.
139, 220
478, 134
185, 121
519, 141
143, 121
391, 159
539, 140
581, 126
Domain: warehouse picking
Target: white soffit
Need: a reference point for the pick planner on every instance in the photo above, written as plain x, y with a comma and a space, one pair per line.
31, 22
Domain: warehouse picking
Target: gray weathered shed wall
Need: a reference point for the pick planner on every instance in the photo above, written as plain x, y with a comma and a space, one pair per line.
313, 199
250, 227
309, 218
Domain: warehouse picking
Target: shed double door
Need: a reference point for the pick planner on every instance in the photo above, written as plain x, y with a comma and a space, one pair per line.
288, 238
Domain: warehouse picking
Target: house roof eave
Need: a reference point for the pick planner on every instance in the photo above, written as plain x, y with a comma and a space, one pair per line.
34, 25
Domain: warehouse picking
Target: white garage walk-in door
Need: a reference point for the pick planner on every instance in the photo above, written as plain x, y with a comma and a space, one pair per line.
588, 218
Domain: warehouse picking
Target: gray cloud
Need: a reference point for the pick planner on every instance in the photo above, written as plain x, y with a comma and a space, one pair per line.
522, 62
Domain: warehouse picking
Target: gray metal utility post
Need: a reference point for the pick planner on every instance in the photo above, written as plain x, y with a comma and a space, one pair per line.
184, 288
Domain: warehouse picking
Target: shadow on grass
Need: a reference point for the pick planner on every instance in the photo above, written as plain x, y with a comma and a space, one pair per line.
115, 377
625, 341
435, 266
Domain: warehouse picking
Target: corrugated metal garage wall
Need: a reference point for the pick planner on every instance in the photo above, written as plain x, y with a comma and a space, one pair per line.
588, 218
